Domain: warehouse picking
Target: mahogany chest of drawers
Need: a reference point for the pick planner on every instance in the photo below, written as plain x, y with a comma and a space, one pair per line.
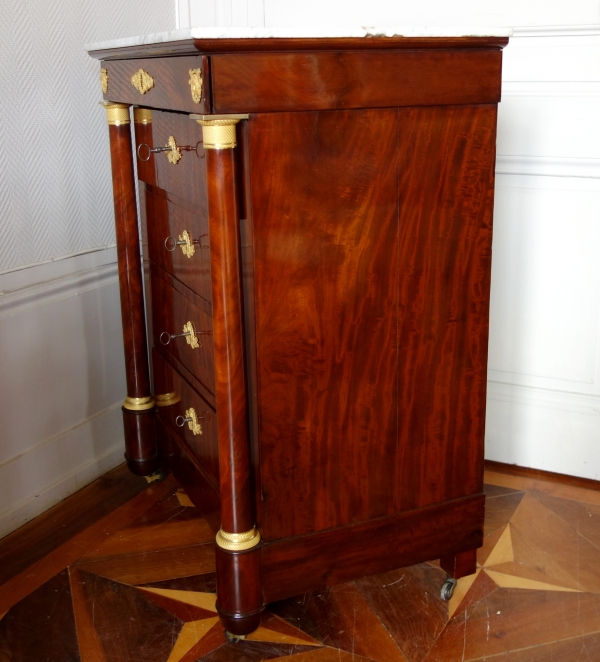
317, 221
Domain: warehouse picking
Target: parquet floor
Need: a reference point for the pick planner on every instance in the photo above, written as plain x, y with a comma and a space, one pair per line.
137, 584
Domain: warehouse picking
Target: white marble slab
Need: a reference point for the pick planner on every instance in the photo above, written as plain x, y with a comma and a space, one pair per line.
296, 33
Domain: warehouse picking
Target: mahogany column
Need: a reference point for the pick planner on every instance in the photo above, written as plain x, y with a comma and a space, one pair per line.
138, 407
239, 590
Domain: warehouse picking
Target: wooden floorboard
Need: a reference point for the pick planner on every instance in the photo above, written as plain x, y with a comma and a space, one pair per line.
538, 474
76, 513
139, 584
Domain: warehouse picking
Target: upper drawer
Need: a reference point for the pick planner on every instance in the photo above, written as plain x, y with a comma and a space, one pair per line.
175, 83
183, 174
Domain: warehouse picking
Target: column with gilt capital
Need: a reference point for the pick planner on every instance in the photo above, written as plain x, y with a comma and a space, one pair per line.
138, 407
239, 590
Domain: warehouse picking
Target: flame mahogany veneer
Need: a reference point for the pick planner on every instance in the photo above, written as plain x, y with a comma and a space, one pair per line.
345, 276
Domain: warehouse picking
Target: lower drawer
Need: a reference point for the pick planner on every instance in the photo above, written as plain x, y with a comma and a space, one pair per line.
185, 413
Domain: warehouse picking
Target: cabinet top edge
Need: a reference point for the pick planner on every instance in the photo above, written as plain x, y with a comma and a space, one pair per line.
215, 40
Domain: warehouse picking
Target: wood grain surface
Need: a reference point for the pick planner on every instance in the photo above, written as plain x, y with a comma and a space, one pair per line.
185, 179
58, 559
53, 528
229, 343
199, 486
265, 82
239, 590
171, 87
146, 170
203, 447
167, 215
446, 189
325, 558
174, 305
130, 265
140, 442
325, 267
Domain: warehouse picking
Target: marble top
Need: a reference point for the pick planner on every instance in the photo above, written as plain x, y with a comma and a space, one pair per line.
296, 33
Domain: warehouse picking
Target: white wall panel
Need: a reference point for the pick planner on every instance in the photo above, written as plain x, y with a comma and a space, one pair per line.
545, 304
549, 125
548, 430
544, 388
566, 55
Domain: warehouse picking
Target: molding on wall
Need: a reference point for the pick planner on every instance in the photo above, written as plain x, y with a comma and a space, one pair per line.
538, 474
539, 397
60, 258
544, 166
182, 14
55, 437
13, 302
557, 31
546, 88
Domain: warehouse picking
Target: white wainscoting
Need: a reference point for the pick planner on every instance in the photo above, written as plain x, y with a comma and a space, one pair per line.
544, 361
63, 381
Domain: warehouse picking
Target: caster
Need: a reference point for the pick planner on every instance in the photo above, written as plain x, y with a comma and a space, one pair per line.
448, 589
158, 476
234, 638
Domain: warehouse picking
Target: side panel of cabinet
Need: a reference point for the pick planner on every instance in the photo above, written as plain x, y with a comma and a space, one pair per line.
325, 224
446, 189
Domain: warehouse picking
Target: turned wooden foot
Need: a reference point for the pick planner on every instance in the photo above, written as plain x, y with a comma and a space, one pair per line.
239, 590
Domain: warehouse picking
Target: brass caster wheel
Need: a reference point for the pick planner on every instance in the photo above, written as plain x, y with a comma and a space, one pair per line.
448, 589
158, 476
234, 638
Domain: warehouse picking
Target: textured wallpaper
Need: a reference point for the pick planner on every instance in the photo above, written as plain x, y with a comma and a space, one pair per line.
55, 187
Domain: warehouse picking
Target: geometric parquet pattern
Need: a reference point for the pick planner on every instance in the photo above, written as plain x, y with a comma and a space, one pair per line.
140, 586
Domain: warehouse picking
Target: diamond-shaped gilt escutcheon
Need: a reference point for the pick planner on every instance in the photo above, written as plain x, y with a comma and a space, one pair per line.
142, 81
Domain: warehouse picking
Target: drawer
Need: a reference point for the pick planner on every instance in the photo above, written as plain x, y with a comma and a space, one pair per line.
165, 83
175, 313
167, 216
184, 177
200, 442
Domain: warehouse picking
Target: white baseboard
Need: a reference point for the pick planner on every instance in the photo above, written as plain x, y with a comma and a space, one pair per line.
542, 166
542, 429
42, 477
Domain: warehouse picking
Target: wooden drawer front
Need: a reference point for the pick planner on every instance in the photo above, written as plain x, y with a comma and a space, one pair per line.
259, 82
173, 307
167, 216
204, 447
171, 88
187, 177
